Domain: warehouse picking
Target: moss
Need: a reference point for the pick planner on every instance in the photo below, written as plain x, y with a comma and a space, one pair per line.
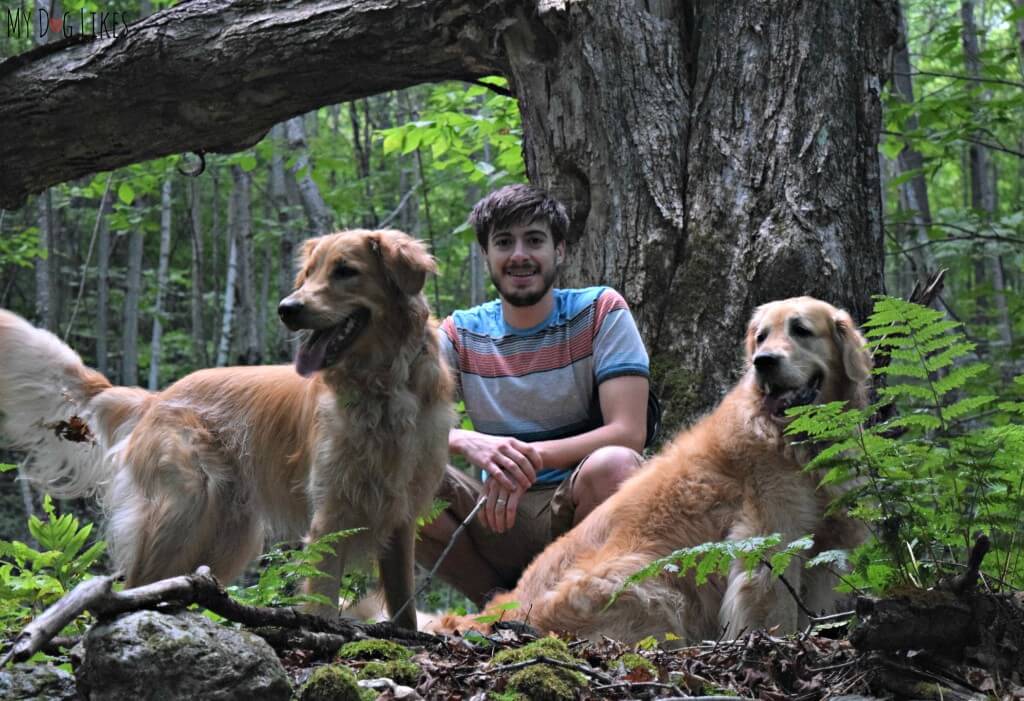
333, 683
549, 647
373, 650
631, 662
542, 681
545, 683
399, 671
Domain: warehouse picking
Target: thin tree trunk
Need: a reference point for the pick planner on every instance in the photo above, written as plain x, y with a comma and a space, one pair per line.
250, 351
103, 290
286, 251
913, 192
161, 284
199, 356
361, 147
133, 293
321, 220
227, 316
44, 310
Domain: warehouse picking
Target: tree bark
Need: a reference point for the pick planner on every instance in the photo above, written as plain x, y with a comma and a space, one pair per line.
261, 64
161, 284
714, 159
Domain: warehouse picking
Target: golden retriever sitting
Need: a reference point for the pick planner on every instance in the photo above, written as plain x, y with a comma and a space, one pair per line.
731, 476
198, 473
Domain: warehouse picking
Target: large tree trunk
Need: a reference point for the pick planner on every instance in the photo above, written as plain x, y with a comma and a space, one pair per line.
713, 161
713, 155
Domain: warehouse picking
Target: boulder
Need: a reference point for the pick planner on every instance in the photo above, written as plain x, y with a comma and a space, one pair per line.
147, 655
37, 681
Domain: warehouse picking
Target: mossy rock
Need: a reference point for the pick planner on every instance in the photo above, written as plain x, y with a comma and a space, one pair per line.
373, 650
543, 682
548, 647
333, 683
631, 662
398, 671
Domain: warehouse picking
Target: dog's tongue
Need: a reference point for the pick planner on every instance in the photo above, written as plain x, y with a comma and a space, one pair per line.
311, 356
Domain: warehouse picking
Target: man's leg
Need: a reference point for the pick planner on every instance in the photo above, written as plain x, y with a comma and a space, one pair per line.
599, 476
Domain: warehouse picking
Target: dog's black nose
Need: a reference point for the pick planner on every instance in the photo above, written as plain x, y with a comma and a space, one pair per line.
289, 310
766, 362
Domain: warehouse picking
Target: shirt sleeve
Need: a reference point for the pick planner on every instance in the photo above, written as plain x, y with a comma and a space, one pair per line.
618, 348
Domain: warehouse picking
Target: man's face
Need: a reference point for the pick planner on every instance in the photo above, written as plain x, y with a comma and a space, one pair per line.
523, 262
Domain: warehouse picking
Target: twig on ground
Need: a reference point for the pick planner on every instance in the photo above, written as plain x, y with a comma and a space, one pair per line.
202, 588
544, 659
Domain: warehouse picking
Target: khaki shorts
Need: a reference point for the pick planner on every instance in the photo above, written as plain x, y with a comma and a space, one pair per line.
545, 512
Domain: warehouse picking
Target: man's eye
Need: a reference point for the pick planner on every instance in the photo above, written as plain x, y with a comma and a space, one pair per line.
342, 271
800, 330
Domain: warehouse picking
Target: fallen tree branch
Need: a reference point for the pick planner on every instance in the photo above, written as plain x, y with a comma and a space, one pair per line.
202, 588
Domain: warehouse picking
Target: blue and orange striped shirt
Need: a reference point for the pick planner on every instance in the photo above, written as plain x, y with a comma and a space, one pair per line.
541, 383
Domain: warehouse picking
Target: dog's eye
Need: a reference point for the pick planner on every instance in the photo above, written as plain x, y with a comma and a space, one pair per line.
761, 336
342, 271
800, 330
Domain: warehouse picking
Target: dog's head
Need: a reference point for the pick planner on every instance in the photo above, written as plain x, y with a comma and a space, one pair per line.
805, 351
351, 286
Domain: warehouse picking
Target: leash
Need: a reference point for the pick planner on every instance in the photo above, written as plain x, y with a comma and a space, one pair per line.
441, 557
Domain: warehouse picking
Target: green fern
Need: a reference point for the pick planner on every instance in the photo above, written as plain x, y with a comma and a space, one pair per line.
949, 463
716, 558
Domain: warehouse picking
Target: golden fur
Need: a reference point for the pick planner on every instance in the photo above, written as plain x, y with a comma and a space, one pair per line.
731, 476
198, 473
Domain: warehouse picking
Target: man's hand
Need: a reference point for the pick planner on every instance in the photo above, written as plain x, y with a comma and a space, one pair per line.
511, 465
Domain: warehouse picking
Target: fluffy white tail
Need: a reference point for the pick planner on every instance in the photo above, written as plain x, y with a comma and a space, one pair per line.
65, 415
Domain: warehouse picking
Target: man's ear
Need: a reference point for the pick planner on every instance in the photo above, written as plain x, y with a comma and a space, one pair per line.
406, 260
560, 253
852, 347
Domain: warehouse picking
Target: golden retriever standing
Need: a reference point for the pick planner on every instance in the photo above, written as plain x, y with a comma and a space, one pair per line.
731, 476
198, 473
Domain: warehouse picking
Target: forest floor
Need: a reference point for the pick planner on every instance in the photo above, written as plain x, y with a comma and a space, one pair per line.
758, 665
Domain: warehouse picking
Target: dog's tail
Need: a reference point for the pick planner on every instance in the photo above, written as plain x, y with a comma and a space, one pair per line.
65, 415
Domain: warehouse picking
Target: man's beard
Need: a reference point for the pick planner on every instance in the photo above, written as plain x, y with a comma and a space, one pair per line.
527, 298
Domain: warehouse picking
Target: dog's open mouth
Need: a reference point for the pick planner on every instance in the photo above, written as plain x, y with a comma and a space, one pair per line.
321, 348
778, 399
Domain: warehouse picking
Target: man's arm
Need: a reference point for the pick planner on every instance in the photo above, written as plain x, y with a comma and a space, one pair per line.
513, 464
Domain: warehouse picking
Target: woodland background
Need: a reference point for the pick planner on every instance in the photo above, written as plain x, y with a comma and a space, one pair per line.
150, 272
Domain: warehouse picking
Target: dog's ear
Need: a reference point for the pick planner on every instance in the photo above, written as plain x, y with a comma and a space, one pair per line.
405, 259
305, 251
856, 358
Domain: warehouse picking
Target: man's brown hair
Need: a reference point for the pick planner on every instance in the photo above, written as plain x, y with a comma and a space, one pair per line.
518, 204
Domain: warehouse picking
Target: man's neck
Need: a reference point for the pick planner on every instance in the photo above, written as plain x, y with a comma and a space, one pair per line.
528, 317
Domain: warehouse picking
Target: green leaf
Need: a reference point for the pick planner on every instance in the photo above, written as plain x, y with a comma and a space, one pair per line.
126, 193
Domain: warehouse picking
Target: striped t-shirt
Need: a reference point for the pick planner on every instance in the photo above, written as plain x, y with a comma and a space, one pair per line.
541, 383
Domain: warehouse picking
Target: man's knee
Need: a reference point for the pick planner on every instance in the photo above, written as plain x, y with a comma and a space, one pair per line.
604, 470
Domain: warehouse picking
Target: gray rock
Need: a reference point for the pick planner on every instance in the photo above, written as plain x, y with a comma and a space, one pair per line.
37, 681
150, 655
